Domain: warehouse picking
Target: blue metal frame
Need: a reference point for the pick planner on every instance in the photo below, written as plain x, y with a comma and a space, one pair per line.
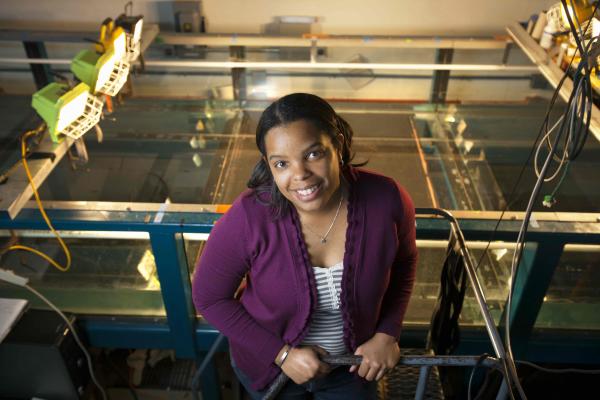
191, 338
172, 269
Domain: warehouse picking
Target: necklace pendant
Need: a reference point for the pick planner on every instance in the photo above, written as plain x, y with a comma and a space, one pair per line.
323, 240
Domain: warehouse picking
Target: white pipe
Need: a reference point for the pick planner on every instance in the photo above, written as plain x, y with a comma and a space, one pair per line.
311, 65
55, 61
297, 65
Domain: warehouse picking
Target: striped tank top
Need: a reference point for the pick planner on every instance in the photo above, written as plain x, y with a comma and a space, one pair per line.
327, 326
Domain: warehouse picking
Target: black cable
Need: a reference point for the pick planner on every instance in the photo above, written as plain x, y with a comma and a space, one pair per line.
128, 5
580, 112
584, 78
543, 128
444, 333
521, 239
477, 365
564, 128
560, 370
99, 43
166, 190
573, 29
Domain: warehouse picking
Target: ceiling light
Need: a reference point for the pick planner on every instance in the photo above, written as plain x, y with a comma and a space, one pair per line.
66, 111
132, 25
104, 73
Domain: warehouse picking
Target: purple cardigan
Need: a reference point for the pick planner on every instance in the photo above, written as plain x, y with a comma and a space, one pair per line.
275, 308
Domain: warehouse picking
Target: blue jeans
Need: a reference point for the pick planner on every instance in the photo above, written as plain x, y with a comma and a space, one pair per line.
339, 384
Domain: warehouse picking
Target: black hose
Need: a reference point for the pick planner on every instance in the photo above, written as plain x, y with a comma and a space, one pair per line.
200, 370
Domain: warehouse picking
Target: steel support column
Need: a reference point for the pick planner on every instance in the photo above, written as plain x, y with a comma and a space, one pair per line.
530, 287
439, 85
175, 286
238, 75
173, 273
42, 74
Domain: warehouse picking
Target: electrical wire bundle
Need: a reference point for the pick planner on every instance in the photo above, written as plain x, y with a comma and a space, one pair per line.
41, 129
564, 142
574, 124
22, 281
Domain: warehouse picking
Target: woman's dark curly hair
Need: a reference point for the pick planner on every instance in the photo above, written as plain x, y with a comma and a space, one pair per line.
288, 109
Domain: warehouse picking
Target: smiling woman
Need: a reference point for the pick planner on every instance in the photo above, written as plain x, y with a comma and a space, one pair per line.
305, 165
328, 251
295, 120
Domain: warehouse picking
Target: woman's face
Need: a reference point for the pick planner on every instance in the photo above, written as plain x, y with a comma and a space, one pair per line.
304, 163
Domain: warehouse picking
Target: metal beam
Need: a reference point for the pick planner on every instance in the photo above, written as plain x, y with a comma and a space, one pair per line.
173, 273
149, 33
221, 208
357, 41
439, 86
17, 191
534, 276
238, 75
301, 65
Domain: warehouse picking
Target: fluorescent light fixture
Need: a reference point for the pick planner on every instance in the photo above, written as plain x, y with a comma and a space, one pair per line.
61, 107
132, 25
137, 31
71, 111
298, 19
118, 41
94, 69
107, 65
104, 73
111, 36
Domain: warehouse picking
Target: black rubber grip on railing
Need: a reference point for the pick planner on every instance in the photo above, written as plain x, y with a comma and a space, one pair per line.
282, 378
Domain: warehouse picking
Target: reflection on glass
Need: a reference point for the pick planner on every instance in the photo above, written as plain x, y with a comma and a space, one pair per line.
454, 157
475, 155
194, 245
574, 294
112, 273
493, 273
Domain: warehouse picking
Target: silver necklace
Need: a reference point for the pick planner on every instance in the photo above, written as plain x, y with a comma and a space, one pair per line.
324, 237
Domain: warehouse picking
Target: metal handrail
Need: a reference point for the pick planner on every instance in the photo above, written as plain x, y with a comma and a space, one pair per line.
428, 361
420, 361
477, 287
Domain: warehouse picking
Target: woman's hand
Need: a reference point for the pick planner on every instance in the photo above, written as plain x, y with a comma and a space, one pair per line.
302, 364
380, 353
